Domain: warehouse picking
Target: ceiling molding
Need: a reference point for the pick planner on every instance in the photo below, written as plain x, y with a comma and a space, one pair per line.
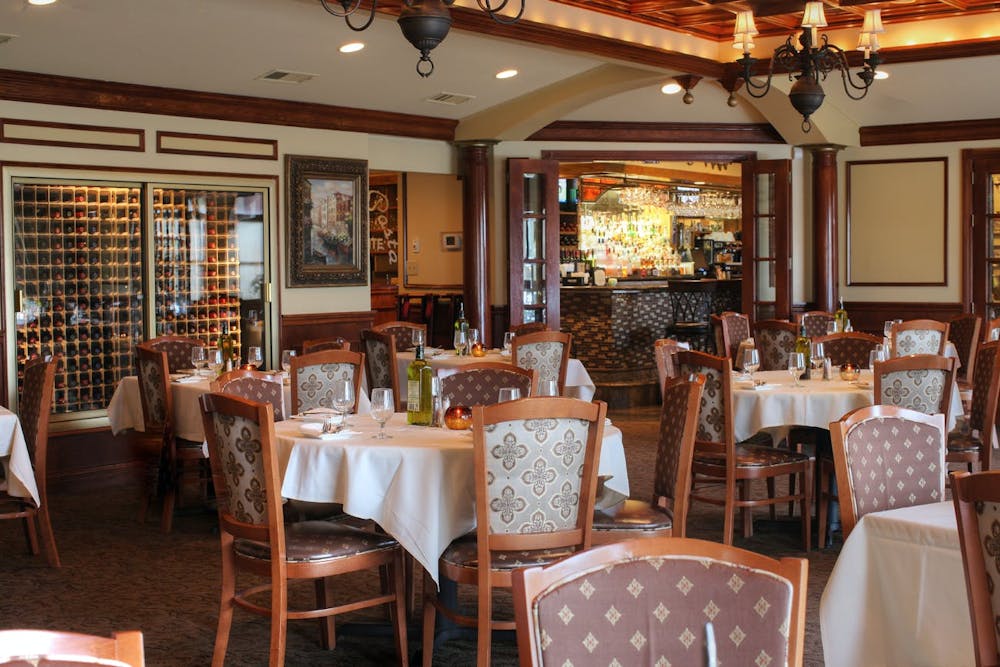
925, 133
707, 133
76, 92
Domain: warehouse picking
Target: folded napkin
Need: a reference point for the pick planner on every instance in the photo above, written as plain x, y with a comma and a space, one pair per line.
187, 379
746, 384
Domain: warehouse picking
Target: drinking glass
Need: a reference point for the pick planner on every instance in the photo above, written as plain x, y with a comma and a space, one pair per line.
418, 338
473, 337
816, 356
508, 342
198, 358
548, 388
509, 394
831, 327
215, 361
796, 366
254, 356
887, 328
343, 399
751, 362
383, 406
286, 360
461, 340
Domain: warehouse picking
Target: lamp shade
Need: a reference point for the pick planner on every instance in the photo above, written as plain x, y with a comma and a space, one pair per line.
744, 24
744, 43
813, 16
873, 22
867, 42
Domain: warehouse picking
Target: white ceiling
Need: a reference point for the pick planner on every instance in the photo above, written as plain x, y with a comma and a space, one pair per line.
223, 45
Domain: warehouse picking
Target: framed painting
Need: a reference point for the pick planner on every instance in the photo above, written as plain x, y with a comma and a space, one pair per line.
327, 221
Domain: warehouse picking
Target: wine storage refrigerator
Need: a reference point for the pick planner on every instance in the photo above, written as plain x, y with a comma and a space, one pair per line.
98, 267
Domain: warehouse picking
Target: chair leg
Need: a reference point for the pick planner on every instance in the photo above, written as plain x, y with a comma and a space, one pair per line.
279, 620
823, 503
484, 638
745, 512
167, 516
772, 512
730, 519
31, 534
429, 611
226, 606
807, 485
399, 611
48, 539
327, 627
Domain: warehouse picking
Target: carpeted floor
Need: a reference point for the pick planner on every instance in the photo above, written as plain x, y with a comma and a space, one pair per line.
118, 574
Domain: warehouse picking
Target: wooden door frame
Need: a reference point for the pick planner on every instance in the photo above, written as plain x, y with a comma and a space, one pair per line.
969, 269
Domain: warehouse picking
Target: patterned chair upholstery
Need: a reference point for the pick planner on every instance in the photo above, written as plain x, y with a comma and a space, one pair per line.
34, 406
56, 648
320, 344
774, 340
816, 322
851, 347
666, 513
528, 327
380, 363
919, 382
254, 386
966, 443
663, 353
963, 332
536, 474
178, 349
735, 330
716, 447
919, 337
402, 333
480, 383
313, 377
977, 510
240, 437
546, 352
646, 602
887, 457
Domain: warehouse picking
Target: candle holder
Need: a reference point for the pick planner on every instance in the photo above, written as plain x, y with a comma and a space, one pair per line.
848, 372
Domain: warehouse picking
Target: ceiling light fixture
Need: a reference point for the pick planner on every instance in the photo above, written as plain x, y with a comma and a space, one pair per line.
671, 88
41, 2
811, 63
425, 23
507, 74
352, 47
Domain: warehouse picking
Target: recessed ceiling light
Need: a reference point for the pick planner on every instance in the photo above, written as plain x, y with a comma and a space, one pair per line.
881, 74
671, 89
352, 47
507, 74
40, 2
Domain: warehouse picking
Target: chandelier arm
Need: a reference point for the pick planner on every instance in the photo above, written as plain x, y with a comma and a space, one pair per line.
747, 76
501, 18
348, 8
487, 6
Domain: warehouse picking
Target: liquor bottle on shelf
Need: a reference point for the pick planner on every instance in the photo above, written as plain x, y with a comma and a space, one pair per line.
419, 394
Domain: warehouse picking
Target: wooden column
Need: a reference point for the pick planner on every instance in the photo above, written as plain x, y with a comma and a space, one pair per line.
826, 264
474, 169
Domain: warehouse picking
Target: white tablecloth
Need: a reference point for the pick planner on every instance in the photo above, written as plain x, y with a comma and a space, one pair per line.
578, 381
418, 486
780, 404
897, 593
125, 408
18, 474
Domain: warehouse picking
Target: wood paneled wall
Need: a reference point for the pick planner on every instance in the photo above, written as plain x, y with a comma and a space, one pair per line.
294, 329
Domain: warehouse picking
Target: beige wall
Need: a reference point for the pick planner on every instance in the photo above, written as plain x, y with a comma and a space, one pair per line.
433, 207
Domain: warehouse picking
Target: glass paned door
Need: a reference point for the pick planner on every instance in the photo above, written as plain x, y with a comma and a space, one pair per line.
985, 234
766, 240
533, 234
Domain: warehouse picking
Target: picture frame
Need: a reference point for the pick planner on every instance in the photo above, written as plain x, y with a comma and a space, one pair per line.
326, 221
451, 241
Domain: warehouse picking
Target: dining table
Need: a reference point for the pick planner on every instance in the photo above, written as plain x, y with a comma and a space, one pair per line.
417, 485
897, 593
125, 406
445, 362
18, 473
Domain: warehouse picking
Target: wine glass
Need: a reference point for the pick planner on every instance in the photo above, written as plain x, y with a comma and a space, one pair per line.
548, 388
509, 394
215, 361
343, 399
198, 359
383, 406
418, 339
887, 328
796, 366
751, 362
508, 342
254, 356
461, 341
286, 360
817, 356
831, 327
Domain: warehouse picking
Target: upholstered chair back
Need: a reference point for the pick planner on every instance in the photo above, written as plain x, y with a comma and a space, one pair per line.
254, 386
178, 349
380, 362
774, 339
402, 333
35, 404
480, 384
313, 377
817, 322
963, 332
919, 337
154, 390
851, 347
983, 376
546, 352
675, 447
735, 330
919, 382
320, 344
715, 423
663, 353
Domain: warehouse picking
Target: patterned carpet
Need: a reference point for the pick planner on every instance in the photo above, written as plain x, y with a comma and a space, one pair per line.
118, 574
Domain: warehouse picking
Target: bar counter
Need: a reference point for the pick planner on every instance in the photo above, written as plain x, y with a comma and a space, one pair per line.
614, 328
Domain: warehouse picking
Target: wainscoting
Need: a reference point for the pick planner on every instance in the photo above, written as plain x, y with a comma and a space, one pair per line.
294, 329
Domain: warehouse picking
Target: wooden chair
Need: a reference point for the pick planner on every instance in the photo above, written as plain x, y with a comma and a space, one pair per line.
735, 330
544, 351
816, 322
528, 328
380, 363
971, 442
320, 344
774, 339
312, 377
169, 455
715, 321
992, 331
521, 517
851, 347
24, 648
255, 539
480, 383
402, 333
887, 457
919, 337
664, 350
663, 591
34, 407
919, 382
977, 510
666, 513
255, 386
963, 332
719, 458
178, 349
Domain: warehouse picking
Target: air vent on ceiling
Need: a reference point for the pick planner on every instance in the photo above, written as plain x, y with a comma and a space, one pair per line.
284, 76
452, 99
6, 38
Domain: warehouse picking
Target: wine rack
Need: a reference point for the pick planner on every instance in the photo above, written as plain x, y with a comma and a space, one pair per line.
197, 263
78, 270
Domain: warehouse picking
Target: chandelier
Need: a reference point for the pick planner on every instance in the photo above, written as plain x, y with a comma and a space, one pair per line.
425, 23
811, 63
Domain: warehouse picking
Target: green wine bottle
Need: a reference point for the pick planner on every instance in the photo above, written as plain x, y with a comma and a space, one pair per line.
802, 345
840, 317
225, 344
419, 397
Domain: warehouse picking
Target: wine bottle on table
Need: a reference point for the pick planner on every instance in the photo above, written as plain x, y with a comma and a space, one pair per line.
802, 345
840, 317
225, 345
419, 394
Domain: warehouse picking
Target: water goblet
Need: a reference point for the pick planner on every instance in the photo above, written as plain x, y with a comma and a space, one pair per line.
887, 328
343, 399
751, 362
286, 360
461, 340
817, 356
508, 342
215, 362
796, 366
254, 356
509, 394
198, 359
418, 339
831, 327
383, 406
548, 388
